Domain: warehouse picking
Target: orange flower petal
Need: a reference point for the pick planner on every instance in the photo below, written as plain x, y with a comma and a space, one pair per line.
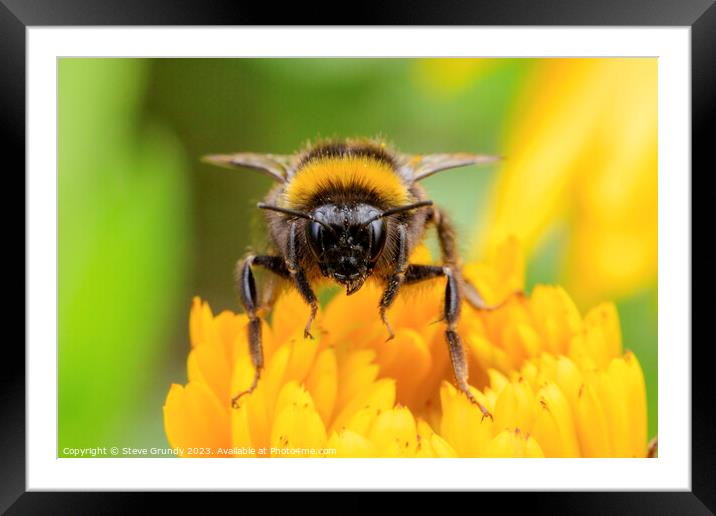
351, 444
298, 430
194, 417
322, 383
515, 407
462, 424
554, 427
592, 426
394, 434
359, 413
515, 444
431, 444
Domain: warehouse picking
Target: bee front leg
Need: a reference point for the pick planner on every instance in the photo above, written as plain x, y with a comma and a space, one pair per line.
298, 276
451, 314
457, 352
395, 280
246, 285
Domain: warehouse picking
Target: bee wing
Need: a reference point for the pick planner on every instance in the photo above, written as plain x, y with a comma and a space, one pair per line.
276, 166
419, 167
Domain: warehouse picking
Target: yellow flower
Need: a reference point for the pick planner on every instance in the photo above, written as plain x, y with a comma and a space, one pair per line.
582, 154
556, 383
450, 76
312, 400
553, 407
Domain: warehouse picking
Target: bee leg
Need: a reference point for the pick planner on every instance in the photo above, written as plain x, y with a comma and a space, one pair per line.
246, 285
453, 291
457, 352
446, 237
299, 278
451, 310
395, 280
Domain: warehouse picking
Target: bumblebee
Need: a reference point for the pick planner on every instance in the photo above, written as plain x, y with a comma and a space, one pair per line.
348, 210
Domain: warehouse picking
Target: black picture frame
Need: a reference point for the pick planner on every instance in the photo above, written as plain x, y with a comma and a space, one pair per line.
17, 15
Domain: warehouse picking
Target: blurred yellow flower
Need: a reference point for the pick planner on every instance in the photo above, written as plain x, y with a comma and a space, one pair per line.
582, 151
556, 383
449, 76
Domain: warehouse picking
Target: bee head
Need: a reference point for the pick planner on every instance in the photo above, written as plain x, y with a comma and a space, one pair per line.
347, 241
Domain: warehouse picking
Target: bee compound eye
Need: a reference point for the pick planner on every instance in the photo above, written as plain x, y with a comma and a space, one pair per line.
377, 238
315, 238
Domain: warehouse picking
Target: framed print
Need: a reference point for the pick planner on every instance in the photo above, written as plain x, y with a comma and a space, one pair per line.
418, 258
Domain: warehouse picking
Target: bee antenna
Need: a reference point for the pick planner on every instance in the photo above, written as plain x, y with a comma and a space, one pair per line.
399, 209
294, 213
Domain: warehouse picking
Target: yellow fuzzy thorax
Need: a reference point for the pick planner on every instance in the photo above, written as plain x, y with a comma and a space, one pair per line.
345, 174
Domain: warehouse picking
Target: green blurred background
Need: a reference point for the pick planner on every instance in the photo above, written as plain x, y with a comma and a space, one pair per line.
144, 225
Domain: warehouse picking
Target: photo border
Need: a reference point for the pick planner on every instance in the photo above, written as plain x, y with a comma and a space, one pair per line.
13, 24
